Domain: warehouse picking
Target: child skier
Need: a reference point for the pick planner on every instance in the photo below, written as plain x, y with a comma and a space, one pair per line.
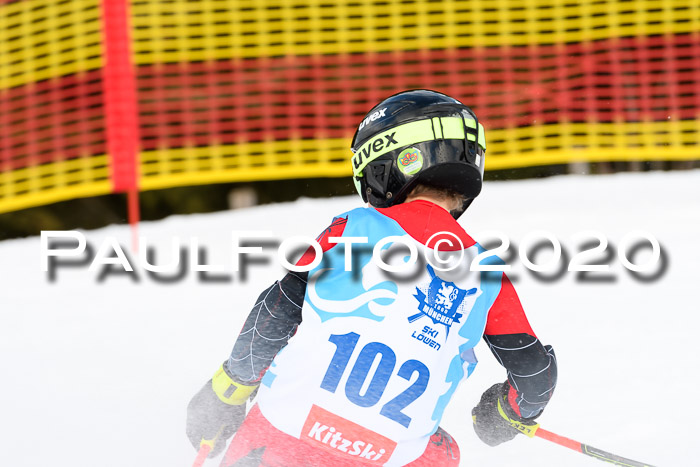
357, 367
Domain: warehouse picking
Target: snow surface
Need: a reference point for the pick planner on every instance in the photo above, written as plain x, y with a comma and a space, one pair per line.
100, 374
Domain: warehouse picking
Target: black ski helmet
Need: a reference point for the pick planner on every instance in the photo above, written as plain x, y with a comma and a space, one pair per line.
418, 136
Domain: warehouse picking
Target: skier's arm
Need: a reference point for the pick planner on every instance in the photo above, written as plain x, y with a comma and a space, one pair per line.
531, 366
509, 408
218, 409
272, 321
274, 318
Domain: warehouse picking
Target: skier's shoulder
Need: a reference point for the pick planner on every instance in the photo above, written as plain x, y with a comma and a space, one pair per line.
355, 212
346, 223
362, 217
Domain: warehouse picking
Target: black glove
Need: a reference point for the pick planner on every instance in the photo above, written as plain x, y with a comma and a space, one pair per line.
495, 422
216, 412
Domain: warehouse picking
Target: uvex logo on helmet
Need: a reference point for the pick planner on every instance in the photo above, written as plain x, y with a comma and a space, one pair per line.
370, 118
379, 143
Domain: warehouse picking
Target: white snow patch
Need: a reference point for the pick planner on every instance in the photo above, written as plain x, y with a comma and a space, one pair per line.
100, 374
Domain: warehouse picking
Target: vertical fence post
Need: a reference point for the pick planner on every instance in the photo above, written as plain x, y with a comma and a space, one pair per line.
121, 114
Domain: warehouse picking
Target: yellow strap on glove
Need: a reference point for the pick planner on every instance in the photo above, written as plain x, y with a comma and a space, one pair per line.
528, 430
228, 391
210, 442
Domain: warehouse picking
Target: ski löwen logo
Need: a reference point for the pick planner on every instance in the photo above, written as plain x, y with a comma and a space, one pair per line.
442, 301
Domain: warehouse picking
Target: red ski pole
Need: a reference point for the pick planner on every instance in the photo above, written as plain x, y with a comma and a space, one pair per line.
202, 454
588, 450
205, 447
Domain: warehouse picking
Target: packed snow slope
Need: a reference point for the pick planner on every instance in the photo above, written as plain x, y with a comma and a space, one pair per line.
100, 373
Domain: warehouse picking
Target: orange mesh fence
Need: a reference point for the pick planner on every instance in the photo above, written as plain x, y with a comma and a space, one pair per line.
52, 129
233, 90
